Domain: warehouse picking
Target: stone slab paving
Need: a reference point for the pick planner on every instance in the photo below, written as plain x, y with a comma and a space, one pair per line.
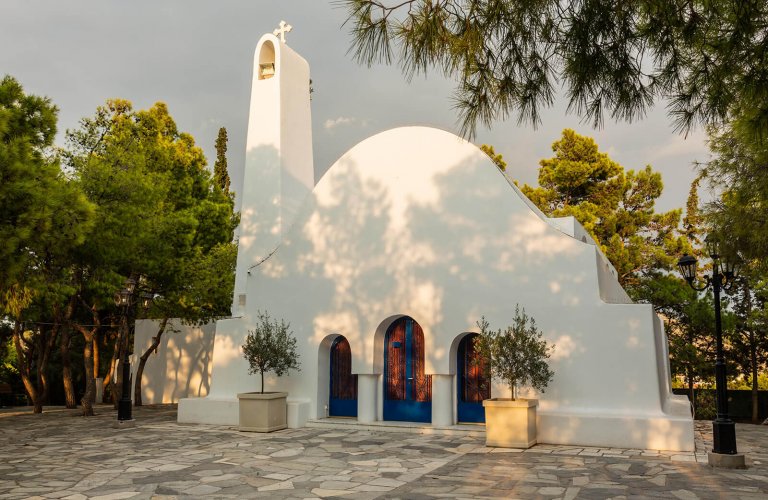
61, 455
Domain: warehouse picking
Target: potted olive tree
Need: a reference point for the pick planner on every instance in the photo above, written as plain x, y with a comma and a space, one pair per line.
517, 356
270, 347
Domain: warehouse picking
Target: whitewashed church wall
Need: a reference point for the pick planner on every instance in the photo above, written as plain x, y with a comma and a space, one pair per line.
445, 246
298, 175
279, 172
418, 222
181, 367
610, 289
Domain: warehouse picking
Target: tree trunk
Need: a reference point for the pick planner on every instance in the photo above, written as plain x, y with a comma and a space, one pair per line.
90, 382
96, 359
64, 346
40, 351
24, 369
47, 343
143, 361
109, 377
66, 369
89, 339
41, 383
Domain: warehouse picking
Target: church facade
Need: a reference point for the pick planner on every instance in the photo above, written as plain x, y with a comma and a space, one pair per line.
385, 266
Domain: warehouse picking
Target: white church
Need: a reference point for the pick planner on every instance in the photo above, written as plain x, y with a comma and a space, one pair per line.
383, 269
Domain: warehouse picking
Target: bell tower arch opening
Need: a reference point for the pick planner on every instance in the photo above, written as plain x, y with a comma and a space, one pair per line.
267, 68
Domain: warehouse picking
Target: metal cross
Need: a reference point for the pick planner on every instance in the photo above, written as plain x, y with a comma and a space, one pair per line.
282, 30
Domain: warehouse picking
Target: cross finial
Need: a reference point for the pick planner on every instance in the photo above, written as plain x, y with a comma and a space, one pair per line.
282, 30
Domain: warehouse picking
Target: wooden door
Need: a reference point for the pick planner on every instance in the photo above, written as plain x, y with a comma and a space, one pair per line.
343, 391
474, 384
407, 389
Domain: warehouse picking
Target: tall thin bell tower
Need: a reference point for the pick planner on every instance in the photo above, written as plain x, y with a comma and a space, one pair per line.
279, 171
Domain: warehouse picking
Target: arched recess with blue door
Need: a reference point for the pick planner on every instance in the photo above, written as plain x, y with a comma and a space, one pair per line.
342, 395
407, 389
472, 381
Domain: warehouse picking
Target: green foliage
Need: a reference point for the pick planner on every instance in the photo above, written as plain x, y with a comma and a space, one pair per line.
158, 214
8, 359
43, 215
611, 57
737, 217
270, 347
517, 355
203, 289
741, 384
747, 342
614, 206
738, 170
495, 158
220, 171
705, 405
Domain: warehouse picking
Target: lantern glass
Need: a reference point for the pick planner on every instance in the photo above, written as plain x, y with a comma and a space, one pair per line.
146, 300
130, 285
713, 246
122, 297
730, 267
687, 265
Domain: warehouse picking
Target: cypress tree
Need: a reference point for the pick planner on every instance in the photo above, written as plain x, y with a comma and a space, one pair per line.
220, 173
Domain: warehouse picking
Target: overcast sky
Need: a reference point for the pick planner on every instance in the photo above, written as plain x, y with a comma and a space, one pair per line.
196, 56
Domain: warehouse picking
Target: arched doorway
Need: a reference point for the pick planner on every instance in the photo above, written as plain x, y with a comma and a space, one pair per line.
473, 383
407, 390
342, 399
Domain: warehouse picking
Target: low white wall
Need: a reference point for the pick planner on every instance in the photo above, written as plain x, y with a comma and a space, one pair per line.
181, 367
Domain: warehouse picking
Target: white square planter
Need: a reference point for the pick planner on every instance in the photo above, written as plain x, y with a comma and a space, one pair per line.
262, 412
510, 423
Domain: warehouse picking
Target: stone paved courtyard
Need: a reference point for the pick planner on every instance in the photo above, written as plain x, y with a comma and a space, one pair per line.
61, 455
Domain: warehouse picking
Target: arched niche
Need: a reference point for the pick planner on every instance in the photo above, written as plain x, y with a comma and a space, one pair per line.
267, 65
323, 372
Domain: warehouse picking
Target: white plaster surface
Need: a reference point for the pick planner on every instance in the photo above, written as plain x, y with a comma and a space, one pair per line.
416, 221
181, 367
279, 171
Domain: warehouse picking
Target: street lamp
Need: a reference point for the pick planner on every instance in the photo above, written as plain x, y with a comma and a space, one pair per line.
124, 299
723, 274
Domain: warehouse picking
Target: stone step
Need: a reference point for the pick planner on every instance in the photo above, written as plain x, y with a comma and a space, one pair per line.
468, 430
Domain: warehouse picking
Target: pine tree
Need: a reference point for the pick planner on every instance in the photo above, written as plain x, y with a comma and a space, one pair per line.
610, 57
220, 171
614, 206
498, 159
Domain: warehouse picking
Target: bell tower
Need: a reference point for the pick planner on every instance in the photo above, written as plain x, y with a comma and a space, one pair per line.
279, 170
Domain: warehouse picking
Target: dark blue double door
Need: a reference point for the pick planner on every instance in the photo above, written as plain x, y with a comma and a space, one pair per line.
473, 383
342, 400
407, 390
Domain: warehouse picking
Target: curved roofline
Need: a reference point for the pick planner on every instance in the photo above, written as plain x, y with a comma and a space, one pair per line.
508, 179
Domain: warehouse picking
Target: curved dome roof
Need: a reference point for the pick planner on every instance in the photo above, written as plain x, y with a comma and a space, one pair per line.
407, 163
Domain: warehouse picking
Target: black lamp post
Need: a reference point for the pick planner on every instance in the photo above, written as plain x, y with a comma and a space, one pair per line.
124, 299
723, 274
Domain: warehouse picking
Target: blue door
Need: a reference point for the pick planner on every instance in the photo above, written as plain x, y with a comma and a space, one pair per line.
473, 384
407, 390
342, 401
